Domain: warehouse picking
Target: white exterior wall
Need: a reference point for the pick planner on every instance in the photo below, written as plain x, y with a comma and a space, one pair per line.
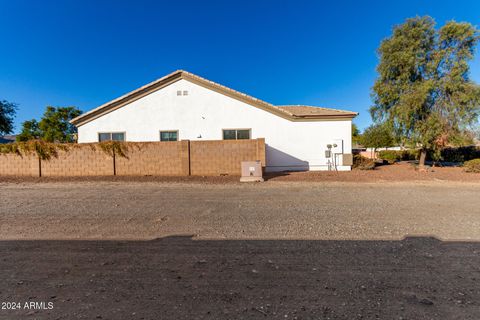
289, 145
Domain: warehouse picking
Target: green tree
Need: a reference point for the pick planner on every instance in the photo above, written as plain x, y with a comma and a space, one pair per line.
55, 124
377, 136
7, 114
355, 133
423, 90
30, 131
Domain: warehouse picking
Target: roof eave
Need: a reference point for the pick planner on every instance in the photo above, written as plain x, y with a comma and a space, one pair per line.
326, 117
126, 98
180, 74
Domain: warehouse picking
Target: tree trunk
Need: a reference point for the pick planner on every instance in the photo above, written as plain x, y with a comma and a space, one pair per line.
423, 157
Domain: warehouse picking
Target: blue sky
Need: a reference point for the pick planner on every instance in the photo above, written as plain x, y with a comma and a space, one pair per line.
85, 53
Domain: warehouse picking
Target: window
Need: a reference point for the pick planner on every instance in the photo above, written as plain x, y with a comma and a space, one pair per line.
236, 134
109, 136
168, 135
185, 93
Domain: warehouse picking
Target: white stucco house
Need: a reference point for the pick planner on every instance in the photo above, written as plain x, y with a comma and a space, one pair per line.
184, 106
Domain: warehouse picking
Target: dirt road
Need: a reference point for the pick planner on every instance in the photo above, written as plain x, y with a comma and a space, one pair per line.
274, 210
265, 251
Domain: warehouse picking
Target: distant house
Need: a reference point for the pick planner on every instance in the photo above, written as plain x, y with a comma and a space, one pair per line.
8, 139
183, 106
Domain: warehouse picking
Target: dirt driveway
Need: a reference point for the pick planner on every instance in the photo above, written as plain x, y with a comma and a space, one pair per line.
278, 250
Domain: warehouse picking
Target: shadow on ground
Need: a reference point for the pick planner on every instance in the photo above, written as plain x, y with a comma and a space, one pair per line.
181, 278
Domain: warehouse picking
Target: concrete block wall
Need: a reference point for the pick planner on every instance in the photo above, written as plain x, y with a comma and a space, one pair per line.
81, 160
16, 165
176, 158
208, 158
154, 158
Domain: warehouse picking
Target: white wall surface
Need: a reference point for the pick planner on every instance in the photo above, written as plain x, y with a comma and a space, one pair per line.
204, 113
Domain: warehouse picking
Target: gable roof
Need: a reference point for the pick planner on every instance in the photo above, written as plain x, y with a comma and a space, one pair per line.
292, 113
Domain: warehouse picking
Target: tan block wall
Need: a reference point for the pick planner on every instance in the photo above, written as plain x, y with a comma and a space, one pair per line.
177, 158
82, 160
369, 154
209, 158
154, 158
15, 165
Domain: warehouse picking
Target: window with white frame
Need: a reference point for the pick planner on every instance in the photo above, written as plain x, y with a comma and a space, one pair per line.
168, 135
111, 136
236, 134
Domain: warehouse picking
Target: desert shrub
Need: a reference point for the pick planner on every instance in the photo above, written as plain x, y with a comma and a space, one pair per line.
410, 154
363, 163
460, 154
472, 165
391, 156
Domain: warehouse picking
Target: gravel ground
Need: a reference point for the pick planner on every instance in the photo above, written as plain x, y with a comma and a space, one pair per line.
272, 210
177, 278
101, 249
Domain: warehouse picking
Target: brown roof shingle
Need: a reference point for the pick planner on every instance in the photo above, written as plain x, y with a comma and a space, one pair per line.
311, 111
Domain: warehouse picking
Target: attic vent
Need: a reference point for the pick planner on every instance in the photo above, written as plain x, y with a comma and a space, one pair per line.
185, 93
179, 93
182, 93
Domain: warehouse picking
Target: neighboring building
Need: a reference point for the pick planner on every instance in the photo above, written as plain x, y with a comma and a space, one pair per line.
8, 139
183, 106
372, 153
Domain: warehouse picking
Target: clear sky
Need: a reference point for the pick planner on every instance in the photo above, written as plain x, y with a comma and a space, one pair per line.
85, 52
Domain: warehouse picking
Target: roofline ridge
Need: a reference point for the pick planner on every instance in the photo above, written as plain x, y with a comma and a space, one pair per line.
209, 84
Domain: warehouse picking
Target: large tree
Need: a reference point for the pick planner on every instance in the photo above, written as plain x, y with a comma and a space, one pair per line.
54, 126
7, 114
423, 90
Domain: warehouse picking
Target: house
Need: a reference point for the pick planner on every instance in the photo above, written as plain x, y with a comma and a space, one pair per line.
7, 139
184, 106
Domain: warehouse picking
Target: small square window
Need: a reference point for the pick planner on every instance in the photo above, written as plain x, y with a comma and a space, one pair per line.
229, 135
168, 135
243, 134
185, 93
104, 137
118, 136
179, 93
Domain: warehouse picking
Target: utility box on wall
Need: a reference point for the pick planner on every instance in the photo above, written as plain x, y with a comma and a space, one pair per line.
251, 171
